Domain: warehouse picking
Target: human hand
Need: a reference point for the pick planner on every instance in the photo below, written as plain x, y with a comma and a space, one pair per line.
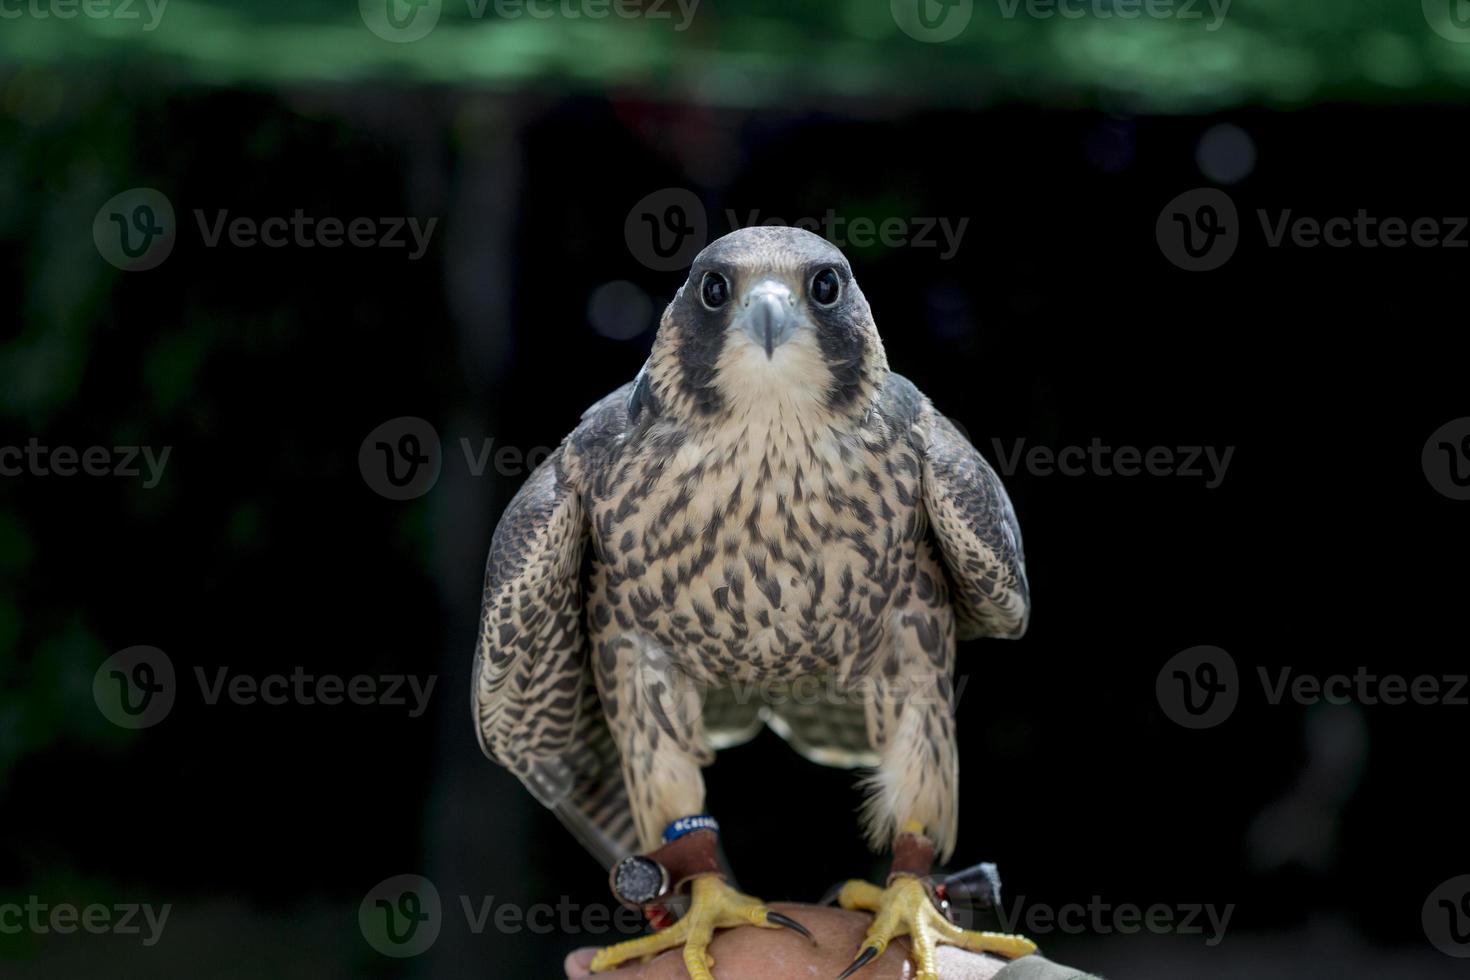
780, 954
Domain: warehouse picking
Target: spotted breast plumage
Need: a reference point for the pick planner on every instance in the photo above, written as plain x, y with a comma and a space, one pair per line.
765, 503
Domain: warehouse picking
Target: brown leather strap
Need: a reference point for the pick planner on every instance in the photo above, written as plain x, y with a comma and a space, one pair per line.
913, 854
694, 854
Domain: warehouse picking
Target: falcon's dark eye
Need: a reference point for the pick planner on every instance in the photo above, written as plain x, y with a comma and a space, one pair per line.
714, 291
826, 287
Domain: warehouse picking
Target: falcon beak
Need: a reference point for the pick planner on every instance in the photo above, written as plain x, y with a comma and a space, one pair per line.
768, 315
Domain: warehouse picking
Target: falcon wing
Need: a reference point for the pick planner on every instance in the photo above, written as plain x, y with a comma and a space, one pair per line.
536, 708
975, 527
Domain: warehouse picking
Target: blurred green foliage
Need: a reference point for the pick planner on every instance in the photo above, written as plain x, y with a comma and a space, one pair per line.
760, 52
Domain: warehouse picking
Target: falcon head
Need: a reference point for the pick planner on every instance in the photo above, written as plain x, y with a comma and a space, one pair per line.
768, 315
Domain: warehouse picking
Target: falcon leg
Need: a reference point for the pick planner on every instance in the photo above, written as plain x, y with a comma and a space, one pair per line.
913, 804
911, 722
713, 905
907, 907
653, 710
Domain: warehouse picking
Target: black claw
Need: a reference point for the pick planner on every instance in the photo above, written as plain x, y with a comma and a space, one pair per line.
789, 923
830, 898
859, 963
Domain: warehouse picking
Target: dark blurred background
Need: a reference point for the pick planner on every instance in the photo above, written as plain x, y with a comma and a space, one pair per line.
544, 149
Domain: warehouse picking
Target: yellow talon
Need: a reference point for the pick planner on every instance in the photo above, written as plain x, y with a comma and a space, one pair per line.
712, 905
905, 908
610, 957
861, 895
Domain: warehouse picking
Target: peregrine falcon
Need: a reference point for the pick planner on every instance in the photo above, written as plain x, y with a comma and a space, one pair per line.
765, 502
